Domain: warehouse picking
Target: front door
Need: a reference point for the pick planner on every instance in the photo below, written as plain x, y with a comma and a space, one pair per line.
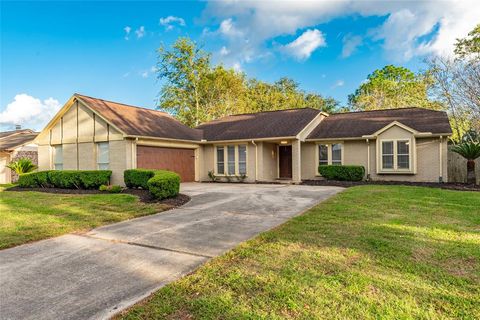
285, 162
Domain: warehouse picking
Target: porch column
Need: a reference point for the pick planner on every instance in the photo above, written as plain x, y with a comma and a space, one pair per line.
296, 161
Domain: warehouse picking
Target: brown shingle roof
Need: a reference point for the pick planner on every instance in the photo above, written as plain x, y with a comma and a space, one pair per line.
270, 124
137, 121
13, 139
357, 124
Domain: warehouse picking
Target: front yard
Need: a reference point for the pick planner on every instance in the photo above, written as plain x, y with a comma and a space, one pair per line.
389, 252
27, 216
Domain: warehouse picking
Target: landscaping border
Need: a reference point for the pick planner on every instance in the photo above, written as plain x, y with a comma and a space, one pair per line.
144, 195
347, 184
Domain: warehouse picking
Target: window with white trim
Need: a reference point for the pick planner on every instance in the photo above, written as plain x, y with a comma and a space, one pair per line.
395, 155
330, 154
322, 154
220, 160
242, 159
403, 155
337, 154
103, 158
58, 157
231, 160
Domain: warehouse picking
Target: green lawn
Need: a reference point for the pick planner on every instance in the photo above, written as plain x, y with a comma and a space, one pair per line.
371, 252
29, 216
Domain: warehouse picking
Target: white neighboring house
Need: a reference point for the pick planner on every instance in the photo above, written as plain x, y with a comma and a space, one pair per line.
14, 145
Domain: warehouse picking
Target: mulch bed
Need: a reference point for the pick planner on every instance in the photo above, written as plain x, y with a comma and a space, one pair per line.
347, 184
143, 195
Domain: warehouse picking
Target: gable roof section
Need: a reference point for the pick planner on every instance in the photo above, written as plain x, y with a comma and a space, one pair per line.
12, 139
135, 121
269, 124
358, 124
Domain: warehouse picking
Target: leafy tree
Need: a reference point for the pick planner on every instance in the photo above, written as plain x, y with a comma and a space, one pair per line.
470, 151
196, 92
469, 45
21, 166
393, 87
183, 67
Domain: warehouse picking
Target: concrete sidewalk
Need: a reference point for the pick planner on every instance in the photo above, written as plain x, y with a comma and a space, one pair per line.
97, 274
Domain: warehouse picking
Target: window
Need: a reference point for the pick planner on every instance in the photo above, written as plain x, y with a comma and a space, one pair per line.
337, 154
322, 154
395, 155
330, 154
242, 159
220, 160
231, 160
58, 157
403, 155
387, 154
102, 156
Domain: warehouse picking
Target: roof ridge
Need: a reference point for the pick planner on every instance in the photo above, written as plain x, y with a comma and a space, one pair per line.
254, 113
124, 104
380, 110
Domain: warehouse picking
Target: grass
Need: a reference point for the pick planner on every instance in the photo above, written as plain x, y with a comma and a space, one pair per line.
28, 216
371, 252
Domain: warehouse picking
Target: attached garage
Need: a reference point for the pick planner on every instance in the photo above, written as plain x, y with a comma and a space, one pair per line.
181, 161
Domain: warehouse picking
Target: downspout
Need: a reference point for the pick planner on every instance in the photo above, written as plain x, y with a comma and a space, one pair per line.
256, 160
440, 176
368, 160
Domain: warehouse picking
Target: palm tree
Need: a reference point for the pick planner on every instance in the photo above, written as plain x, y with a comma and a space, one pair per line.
22, 165
470, 151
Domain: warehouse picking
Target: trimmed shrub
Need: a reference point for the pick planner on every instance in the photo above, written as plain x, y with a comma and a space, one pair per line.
66, 179
342, 173
137, 178
28, 180
164, 184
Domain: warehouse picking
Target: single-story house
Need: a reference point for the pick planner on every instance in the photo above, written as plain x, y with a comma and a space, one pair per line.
14, 145
408, 144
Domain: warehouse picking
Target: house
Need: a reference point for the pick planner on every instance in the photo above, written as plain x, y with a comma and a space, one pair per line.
14, 145
407, 144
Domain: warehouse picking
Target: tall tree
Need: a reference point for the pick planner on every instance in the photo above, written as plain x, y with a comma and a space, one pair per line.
457, 84
393, 87
183, 67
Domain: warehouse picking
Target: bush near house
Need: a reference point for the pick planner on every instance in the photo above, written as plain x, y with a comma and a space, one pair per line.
65, 179
137, 178
342, 173
162, 184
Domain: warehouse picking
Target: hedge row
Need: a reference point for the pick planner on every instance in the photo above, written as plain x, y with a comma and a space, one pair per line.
162, 184
65, 179
342, 173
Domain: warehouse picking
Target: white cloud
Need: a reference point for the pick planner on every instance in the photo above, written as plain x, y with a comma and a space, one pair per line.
350, 45
302, 47
29, 112
338, 83
144, 74
170, 22
140, 32
411, 28
127, 30
224, 51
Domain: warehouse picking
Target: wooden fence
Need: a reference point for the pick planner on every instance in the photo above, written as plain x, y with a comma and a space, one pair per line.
457, 168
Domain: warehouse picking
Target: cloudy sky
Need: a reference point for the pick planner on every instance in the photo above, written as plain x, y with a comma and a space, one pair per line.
50, 50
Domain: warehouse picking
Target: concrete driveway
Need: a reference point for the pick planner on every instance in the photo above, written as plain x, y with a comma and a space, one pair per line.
97, 274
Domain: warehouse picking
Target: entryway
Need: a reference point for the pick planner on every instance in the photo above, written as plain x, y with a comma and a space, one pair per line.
285, 162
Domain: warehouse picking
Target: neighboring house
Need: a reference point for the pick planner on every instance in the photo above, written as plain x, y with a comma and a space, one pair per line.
15, 145
407, 144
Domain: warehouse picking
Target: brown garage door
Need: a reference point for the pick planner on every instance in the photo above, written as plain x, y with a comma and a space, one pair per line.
181, 161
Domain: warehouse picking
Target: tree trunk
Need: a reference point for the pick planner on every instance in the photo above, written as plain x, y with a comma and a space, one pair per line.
471, 179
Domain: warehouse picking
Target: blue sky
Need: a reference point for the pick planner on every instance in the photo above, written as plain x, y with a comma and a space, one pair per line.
50, 50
